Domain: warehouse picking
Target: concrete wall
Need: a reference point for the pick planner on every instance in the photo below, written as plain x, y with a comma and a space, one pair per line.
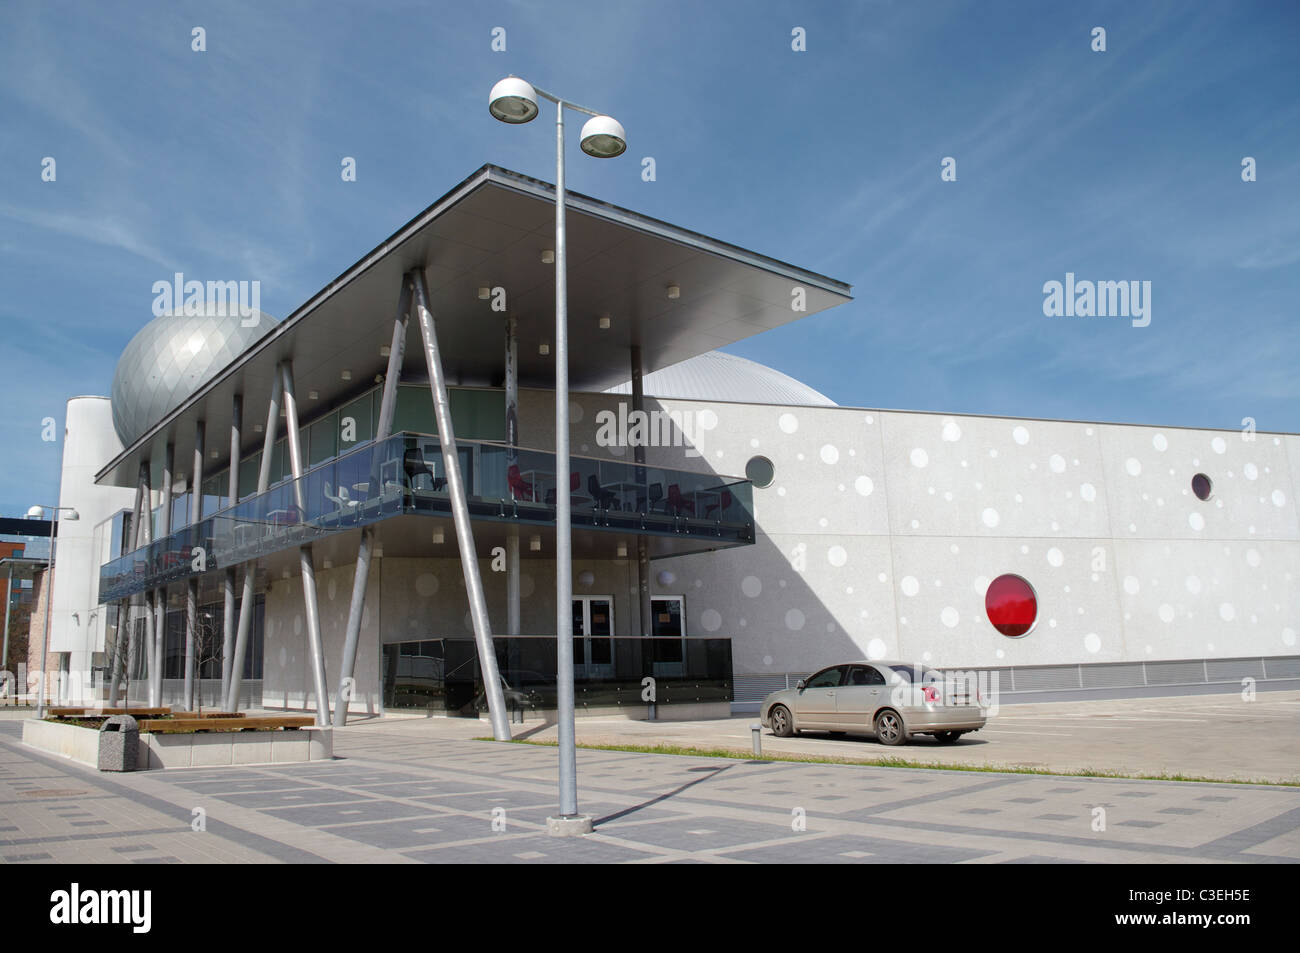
881, 531
879, 535
77, 623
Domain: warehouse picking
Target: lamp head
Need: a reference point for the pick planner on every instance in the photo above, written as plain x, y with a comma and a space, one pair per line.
513, 100
603, 137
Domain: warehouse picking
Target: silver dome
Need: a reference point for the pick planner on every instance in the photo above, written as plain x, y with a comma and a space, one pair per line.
170, 358
714, 375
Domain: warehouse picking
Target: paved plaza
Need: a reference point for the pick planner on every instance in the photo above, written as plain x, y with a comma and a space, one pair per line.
402, 792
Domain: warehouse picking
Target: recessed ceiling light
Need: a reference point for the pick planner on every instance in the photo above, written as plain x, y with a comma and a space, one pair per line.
385, 351
535, 543
543, 349
604, 323
438, 537
548, 257
674, 292
346, 375
328, 564
313, 395
215, 454
484, 294
257, 428
622, 550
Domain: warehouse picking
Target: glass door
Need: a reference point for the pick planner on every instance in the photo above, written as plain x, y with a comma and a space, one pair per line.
593, 631
668, 625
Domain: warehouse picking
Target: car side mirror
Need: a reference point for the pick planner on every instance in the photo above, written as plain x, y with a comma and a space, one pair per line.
800, 685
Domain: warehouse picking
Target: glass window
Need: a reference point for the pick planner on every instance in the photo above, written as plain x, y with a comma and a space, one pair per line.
1012, 605
865, 675
414, 410
1202, 486
826, 678
248, 468
760, 471
355, 423
478, 414
323, 439
280, 467
216, 493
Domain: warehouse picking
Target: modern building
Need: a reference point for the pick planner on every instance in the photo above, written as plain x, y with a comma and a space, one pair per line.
269, 509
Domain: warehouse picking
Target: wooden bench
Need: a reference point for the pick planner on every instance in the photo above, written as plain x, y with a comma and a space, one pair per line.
97, 712
208, 714
184, 725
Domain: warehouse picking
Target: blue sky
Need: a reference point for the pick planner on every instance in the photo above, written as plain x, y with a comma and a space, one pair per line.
1122, 165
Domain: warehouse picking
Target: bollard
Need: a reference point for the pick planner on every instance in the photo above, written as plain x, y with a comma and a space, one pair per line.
756, 732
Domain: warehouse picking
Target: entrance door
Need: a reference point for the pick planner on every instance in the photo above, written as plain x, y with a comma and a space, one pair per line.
593, 632
668, 626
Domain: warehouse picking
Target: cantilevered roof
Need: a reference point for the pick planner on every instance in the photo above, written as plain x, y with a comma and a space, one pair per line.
490, 231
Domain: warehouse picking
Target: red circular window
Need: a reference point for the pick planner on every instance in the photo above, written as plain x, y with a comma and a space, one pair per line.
1012, 605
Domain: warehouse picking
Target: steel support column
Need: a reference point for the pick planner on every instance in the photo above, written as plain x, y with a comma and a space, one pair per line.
250, 567
361, 574
228, 583
311, 609
460, 511
9, 594
160, 597
192, 585
141, 603
642, 547
512, 460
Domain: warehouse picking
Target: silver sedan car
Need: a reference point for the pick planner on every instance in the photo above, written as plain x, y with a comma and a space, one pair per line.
893, 700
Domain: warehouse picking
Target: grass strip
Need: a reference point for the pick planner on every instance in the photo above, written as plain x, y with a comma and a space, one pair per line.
896, 762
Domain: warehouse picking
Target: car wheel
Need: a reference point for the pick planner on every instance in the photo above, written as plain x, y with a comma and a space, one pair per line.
782, 722
947, 737
890, 729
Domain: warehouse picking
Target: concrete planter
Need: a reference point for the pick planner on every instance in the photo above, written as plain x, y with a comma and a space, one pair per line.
68, 741
199, 750
207, 750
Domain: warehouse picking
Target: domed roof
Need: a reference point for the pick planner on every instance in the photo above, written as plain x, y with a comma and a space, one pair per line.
170, 358
714, 375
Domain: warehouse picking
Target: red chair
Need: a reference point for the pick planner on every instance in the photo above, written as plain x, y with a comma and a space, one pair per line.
574, 483
724, 501
520, 489
678, 504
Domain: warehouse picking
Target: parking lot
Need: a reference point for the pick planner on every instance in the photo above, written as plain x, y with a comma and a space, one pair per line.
1203, 736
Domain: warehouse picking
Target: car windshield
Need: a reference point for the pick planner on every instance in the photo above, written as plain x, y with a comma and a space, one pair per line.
918, 674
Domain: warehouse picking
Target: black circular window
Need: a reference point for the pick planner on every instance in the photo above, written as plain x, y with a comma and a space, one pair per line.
1202, 486
760, 471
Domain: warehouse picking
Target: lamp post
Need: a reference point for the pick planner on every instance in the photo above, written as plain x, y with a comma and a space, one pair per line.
38, 513
514, 101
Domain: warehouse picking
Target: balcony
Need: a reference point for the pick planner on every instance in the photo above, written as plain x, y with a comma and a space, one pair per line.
404, 475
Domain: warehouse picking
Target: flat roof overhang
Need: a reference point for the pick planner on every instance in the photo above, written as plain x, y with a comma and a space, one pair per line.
490, 231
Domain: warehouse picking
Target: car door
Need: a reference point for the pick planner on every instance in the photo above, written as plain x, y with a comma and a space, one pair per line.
858, 697
815, 704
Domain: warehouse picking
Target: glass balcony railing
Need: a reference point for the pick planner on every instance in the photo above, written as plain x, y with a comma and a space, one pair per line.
443, 676
405, 474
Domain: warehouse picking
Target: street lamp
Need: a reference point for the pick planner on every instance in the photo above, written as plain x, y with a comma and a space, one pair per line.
514, 101
38, 513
